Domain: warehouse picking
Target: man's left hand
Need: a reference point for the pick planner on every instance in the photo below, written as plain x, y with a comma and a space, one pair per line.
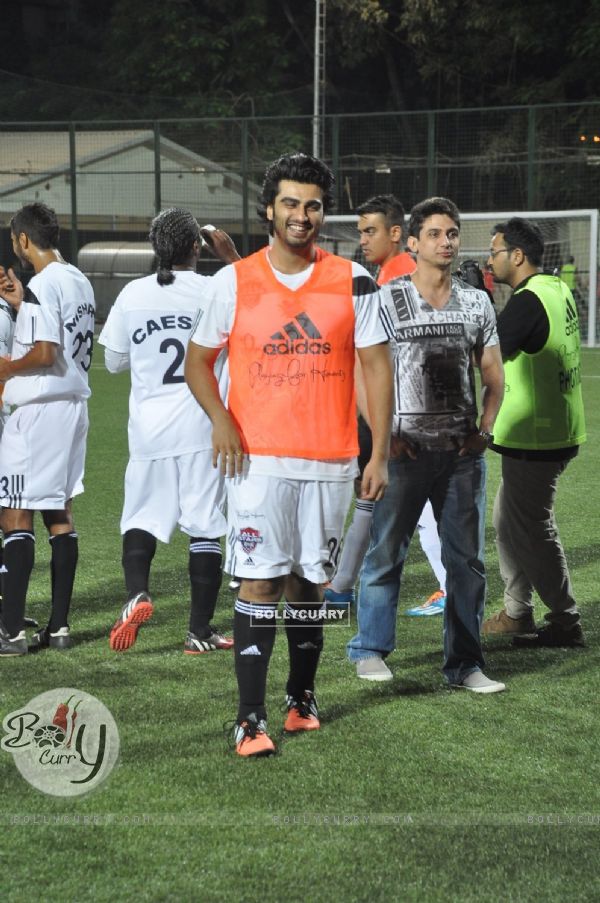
474, 444
220, 245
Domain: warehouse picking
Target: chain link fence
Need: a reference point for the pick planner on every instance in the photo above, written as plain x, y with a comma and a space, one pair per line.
106, 180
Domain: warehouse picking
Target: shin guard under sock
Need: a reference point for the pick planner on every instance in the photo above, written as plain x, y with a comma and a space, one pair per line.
205, 579
354, 548
19, 553
65, 552
254, 636
139, 547
304, 629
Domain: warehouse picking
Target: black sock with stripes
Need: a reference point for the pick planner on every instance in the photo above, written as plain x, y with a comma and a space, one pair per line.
139, 547
65, 552
304, 630
19, 553
253, 636
205, 578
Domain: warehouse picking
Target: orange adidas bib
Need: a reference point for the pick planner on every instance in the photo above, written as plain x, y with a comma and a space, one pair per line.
291, 361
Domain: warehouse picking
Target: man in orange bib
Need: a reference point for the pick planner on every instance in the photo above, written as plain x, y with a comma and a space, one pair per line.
292, 318
381, 230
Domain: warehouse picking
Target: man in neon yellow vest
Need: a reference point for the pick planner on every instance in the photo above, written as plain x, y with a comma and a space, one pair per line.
567, 274
538, 430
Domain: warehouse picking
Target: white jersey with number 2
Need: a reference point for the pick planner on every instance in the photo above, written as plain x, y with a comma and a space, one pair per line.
152, 324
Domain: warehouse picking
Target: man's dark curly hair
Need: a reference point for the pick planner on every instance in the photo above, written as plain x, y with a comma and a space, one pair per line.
296, 167
172, 236
39, 223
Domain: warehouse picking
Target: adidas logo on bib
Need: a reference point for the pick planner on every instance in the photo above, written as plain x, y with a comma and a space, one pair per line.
299, 336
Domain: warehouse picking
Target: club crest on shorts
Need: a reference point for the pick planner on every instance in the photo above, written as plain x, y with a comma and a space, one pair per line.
249, 538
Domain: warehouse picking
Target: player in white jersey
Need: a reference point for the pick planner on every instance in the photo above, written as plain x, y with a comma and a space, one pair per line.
42, 453
169, 478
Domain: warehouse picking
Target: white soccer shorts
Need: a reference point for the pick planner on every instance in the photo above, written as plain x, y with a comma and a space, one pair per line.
42, 455
279, 526
185, 490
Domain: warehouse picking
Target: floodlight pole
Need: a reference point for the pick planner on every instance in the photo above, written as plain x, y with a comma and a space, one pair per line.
319, 77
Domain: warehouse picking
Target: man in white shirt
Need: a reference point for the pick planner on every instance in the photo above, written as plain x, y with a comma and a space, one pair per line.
169, 478
42, 454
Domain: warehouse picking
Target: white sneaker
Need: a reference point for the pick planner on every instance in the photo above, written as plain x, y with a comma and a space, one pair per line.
373, 668
477, 682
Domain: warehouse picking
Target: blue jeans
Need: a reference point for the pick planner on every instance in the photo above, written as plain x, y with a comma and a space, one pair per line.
456, 488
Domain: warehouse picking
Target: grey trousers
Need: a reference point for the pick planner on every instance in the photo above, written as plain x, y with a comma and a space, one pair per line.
529, 547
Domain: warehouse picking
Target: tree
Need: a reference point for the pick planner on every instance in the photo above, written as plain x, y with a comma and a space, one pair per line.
200, 58
147, 58
482, 54
470, 54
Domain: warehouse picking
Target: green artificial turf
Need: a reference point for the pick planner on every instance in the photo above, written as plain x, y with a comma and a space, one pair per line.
410, 791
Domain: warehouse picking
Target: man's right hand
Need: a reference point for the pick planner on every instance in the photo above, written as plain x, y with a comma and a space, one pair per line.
399, 447
11, 288
227, 446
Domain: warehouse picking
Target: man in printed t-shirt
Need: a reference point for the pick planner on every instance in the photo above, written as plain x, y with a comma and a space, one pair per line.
381, 229
292, 317
440, 323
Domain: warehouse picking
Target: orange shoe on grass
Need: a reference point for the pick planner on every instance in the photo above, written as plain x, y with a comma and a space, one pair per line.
135, 612
303, 714
251, 738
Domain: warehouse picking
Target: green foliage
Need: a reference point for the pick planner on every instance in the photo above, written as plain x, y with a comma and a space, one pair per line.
200, 55
480, 53
147, 58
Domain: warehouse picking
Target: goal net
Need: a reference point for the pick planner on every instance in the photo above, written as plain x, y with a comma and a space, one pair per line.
567, 234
